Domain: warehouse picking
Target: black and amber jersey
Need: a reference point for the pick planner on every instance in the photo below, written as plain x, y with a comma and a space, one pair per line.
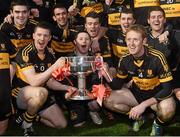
114, 11
62, 41
147, 72
19, 37
141, 8
169, 49
28, 58
105, 50
6, 53
117, 41
89, 6
171, 7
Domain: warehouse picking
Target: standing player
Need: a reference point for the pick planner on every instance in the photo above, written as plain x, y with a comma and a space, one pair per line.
6, 52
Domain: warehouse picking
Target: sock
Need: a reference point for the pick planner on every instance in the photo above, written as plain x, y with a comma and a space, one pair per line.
28, 119
37, 118
159, 122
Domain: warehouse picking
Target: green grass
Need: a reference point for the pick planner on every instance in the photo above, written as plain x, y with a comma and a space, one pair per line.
120, 127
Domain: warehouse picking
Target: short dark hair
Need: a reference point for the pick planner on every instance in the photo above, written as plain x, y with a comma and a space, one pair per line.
127, 11
58, 5
82, 31
138, 28
19, 3
93, 15
43, 25
156, 8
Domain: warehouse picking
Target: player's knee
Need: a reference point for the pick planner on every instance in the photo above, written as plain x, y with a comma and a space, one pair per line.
177, 93
42, 95
62, 123
167, 109
39, 97
109, 103
3, 127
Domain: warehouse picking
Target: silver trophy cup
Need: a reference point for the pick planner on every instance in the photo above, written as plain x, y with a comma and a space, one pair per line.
81, 66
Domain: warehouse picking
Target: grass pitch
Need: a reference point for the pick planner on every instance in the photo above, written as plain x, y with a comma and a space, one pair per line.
121, 126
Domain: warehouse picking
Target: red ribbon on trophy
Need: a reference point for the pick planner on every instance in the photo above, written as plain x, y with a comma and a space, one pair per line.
100, 92
61, 73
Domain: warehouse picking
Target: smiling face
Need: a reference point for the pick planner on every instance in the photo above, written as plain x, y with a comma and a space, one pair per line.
20, 15
92, 26
82, 42
41, 38
61, 16
135, 43
126, 20
157, 20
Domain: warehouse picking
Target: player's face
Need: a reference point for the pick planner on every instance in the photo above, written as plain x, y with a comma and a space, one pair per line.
41, 38
83, 42
157, 21
126, 21
135, 43
20, 14
92, 26
61, 16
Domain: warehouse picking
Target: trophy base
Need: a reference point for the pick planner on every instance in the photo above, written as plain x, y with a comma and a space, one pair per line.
80, 98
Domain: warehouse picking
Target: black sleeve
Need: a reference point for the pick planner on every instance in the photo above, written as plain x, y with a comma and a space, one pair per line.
168, 27
165, 92
116, 83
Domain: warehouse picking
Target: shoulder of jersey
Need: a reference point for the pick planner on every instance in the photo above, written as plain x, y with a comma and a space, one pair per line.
5, 25
33, 21
26, 50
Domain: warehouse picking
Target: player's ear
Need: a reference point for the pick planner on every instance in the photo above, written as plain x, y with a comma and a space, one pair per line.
144, 41
54, 18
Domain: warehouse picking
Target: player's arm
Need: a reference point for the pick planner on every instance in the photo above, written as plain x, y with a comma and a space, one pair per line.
55, 85
37, 79
118, 81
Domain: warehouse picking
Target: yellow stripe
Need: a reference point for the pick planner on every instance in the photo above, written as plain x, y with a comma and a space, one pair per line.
145, 3
33, 21
119, 50
107, 55
166, 96
20, 74
161, 57
26, 50
146, 84
121, 76
13, 56
29, 116
4, 61
62, 47
166, 79
21, 43
98, 8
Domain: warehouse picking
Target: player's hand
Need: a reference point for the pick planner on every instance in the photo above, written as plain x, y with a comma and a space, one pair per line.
8, 19
105, 71
95, 46
163, 38
108, 2
71, 91
137, 111
35, 12
59, 63
73, 10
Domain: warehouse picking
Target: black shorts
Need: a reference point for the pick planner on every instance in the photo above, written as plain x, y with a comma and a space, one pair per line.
78, 111
176, 79
5, 109
141, 96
